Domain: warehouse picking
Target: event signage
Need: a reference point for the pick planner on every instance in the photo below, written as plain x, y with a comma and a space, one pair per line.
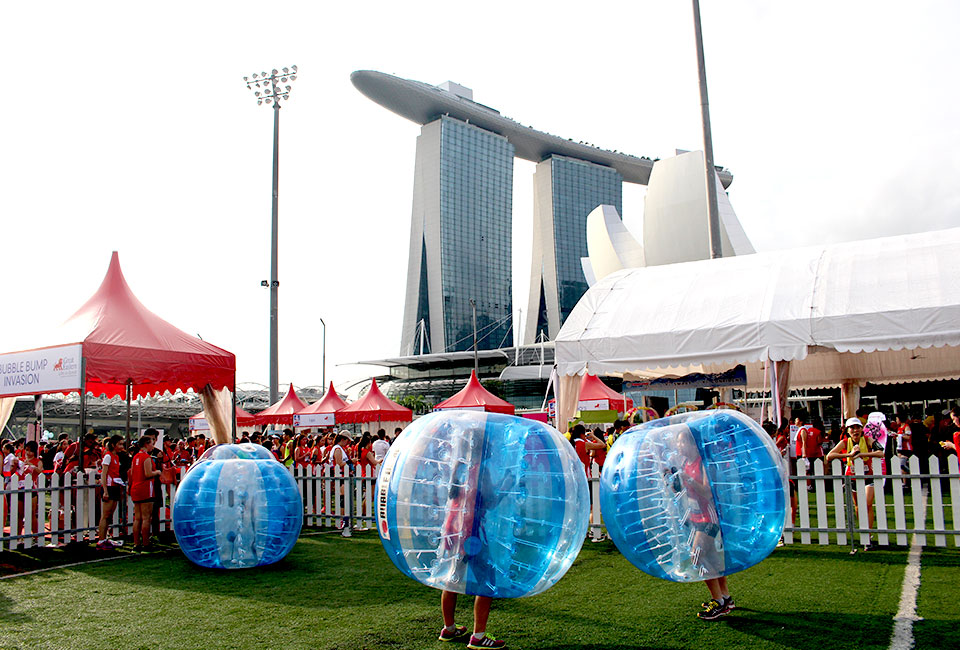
593, 405
47, 370
198, 424
313, 420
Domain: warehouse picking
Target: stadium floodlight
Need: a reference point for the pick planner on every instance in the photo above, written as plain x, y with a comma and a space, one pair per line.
272, 93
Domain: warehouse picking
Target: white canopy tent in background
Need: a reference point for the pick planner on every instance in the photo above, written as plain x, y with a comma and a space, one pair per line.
882, 310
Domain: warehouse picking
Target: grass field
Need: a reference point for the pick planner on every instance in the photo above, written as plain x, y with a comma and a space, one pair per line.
332, 592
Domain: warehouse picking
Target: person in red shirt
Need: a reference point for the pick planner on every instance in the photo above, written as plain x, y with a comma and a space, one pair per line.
584, 443
112, 489
706, 555
955, 445
142, 473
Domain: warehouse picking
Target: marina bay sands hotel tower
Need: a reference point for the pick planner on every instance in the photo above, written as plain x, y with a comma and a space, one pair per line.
461, 231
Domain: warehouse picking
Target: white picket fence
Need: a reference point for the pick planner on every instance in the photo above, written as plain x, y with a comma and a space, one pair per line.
56, 510
68, 508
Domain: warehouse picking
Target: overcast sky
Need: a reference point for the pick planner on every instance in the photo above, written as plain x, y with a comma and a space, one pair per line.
127, 126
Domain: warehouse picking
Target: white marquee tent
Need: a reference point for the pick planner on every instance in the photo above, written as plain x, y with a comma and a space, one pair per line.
882, 310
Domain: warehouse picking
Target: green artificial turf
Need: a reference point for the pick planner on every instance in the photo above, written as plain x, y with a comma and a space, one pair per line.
332, 592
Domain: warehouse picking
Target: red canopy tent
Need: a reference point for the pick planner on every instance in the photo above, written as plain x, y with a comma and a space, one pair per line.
115, 346
597, 396
124, 343
374, 407
282, 412
475, 397
320, 413
199, 422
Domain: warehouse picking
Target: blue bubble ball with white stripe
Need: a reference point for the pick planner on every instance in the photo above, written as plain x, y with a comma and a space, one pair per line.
237, 507
482, 504
694, 496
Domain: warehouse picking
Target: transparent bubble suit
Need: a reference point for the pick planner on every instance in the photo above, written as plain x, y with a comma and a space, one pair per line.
237, 508
482, 504
694, 496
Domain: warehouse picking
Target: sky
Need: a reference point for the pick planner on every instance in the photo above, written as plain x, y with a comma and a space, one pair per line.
128, 127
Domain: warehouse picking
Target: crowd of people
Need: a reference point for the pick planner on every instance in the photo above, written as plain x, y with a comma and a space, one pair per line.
140, 467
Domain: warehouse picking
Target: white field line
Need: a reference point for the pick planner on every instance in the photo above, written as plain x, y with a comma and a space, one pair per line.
902, 638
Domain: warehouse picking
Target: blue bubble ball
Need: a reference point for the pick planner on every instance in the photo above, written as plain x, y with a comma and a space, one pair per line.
482, 504
694, 496
236, 508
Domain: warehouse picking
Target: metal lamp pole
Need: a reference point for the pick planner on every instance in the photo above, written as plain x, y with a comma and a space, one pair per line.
271, 92
324, 356
713, 210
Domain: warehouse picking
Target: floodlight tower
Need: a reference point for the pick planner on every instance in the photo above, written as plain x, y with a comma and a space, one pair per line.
270, 89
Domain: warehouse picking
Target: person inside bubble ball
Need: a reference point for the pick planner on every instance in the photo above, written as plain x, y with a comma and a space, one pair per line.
706, 550
462, 501
856, 445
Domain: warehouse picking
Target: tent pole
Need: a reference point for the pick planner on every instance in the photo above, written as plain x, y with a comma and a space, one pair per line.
129, 393
83, 409
234, 420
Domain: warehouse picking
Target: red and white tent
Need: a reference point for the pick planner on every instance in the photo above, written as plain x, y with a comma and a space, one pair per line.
282, 412
597, 396
374, 407
474, 397
113, 341
322, 412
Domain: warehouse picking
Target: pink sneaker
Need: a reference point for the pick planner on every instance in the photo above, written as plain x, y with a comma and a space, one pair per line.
485, 642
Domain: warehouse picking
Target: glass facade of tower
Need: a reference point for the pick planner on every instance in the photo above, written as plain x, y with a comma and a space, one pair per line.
577, 188
476, 214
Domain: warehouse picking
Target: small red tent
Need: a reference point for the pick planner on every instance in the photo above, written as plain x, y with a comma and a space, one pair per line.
374, 407
199, 422
597, 396
123, 343
475, 397
281, 412
322, 412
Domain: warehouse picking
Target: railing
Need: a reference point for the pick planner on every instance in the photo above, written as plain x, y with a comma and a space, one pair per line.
67, 508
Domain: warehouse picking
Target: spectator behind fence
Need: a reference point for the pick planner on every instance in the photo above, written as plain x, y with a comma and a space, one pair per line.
380, 446
142, 473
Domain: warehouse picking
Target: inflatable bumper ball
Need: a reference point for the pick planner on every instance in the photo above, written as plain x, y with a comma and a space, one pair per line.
694, 496
482, 504
237, 507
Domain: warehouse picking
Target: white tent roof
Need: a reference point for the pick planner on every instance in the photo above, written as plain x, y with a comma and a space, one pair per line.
878, 310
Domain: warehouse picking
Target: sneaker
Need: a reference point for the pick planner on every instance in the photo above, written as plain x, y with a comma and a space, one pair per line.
486, 642
725, 602
104, 545
458, 634
137, 548
712, 611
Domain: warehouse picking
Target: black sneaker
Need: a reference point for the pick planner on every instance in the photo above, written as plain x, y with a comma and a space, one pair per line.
485, 642
712, 611
458, 634
728, 604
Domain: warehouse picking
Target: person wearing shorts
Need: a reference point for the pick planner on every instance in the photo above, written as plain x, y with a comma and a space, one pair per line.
706, 554
856, 445
112, 487
142, 473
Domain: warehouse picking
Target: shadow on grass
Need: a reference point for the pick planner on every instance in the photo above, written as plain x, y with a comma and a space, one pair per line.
801, 631
321, 572
8, 616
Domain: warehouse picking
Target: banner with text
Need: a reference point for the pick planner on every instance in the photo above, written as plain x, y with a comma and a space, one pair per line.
314, 420
34, 372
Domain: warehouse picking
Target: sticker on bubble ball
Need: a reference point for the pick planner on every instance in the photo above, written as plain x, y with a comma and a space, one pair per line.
694, 496
482, 504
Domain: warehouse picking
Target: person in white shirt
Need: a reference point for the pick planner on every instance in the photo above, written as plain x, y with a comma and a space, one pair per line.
380, 446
